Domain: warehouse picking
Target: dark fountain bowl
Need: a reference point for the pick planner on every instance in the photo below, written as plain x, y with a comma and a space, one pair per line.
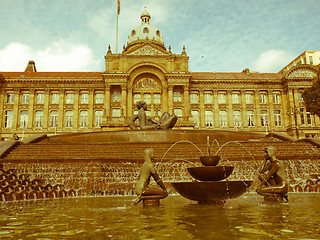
210, 173
211, 192
210, 160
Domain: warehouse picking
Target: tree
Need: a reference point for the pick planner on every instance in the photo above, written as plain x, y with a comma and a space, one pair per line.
311, 98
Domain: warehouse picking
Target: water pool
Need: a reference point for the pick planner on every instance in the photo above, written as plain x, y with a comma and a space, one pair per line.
176, 218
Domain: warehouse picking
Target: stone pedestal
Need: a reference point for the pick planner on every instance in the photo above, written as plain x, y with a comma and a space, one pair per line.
274, 199
151, 202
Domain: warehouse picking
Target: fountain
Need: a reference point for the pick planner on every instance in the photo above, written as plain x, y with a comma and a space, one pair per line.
210, 187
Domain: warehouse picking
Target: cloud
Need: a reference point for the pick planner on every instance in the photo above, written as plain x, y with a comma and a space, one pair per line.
59, 56
272, 60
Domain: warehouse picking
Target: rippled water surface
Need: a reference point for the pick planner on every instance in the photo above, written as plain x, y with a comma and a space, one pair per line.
176, 218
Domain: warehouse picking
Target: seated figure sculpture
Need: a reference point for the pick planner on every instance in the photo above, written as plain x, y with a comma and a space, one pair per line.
272, 176
166, 121
148, 170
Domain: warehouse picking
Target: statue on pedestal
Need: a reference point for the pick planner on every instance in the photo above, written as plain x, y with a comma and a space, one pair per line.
166, 121
273, 183
142, 189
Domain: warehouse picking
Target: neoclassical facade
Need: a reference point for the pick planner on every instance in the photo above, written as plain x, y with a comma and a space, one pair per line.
64, 102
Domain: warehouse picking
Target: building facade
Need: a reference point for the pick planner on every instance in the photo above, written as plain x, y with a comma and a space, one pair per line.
64, 102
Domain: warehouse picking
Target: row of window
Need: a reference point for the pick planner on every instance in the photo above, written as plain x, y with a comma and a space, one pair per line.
53, 119
237, 122
54, 98
147, 97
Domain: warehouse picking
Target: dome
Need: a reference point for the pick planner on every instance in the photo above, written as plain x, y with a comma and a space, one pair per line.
145, 30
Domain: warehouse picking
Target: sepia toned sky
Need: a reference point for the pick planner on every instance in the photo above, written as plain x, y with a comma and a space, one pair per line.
219, 35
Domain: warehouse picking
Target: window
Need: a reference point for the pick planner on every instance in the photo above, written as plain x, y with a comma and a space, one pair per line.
222, 98
70, 98
195, 115
39, 119
147, 98
249, 98
309, 119
207, 98
178, 112
25, 98
250, 118
55, 98
311, 60
136, 97
156, 98
116, 113
237, 119
276, 98
40, 98
53, 119
99, 98
223, 118
8, 119
264, 118
302, 116
23, 119
300, 98
98, 118
83, 119
177, 96
84, 99
116, 96
10, 98
263, 98
235, 98
209, 118
277, 118
68, 119
194, 98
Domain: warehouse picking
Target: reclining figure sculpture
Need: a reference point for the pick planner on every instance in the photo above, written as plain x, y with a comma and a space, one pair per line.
166, 121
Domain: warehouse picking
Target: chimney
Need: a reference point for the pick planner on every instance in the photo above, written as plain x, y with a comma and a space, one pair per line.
31, 67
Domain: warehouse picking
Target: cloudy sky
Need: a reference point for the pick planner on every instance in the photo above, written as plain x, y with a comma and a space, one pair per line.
219, 35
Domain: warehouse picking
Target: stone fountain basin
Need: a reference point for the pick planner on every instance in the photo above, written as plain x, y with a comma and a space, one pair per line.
211, 192
210, 173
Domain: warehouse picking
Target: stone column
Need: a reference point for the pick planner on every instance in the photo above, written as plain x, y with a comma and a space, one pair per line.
271, 111
30, 110
164, 99
90, 110
3, 97
15, 120
257, 109
170, 99
107, 103
244, 121
216, 109
46, 114
129, 102
61, 109
296, 108
202, 120
285, 113
229, 109
186, 104
291, 107
124, 99
76, 109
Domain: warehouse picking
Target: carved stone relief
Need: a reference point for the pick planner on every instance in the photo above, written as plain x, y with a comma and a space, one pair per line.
303, 73
147, 50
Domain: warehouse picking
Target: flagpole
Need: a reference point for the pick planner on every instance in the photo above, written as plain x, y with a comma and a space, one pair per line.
118, 12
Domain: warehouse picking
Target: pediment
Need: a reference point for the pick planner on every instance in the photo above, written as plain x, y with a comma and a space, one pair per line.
302, 73
148, 50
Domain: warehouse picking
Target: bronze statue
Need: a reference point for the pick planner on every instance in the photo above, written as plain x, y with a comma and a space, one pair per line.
142, 188
166, 121
272, 176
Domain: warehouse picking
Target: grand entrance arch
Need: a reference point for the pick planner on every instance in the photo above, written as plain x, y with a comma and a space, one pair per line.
147, 87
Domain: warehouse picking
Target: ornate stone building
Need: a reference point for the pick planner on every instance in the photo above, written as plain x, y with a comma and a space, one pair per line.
63, 102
